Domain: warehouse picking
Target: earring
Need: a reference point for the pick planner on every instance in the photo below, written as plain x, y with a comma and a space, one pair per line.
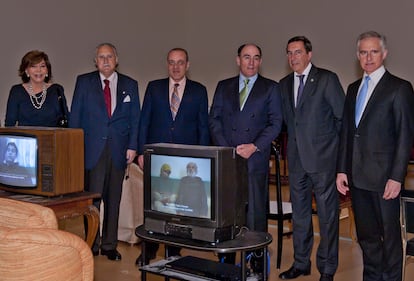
47, 75
28, 76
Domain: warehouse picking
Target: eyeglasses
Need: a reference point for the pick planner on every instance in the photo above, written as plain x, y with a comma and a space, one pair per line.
179, 63
372, 53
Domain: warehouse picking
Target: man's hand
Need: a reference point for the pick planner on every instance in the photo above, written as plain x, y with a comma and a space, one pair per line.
246, 150
392, 189
141, 161
342, 183
130, 155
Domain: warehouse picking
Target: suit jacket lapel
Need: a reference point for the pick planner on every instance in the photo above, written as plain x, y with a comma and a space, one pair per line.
119, 93
376, 94
234, 94
253, 95
291, 92
165, 89
98, 90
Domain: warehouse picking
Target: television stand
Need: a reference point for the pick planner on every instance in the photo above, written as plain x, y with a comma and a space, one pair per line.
246, 241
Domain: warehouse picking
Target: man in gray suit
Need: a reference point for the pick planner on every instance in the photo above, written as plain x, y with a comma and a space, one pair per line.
312, 107
373, 156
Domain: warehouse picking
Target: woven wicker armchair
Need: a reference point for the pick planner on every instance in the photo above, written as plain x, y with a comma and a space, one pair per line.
32, 248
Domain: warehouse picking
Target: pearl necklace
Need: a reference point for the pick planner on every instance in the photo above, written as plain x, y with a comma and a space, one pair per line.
37, 102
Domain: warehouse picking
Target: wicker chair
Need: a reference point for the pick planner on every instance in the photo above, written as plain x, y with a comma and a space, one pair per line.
32, 248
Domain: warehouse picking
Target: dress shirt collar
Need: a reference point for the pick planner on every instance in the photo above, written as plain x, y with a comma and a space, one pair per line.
252, 80
305, 72
376, 75
113, 79
180, 88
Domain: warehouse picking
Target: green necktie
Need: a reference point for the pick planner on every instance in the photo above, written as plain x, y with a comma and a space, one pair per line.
243, 93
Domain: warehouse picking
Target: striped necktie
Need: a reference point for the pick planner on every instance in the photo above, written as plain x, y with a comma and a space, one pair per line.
175, 101
243, 93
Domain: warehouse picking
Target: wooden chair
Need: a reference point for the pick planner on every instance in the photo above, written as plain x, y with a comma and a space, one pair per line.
407, 227
278, 210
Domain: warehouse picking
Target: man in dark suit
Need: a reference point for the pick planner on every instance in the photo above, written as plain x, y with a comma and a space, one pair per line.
374, 151
106, 106
246, 114
163, 121
313, 101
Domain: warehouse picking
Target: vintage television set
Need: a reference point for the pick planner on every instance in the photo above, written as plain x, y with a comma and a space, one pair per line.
41, 160
195, 192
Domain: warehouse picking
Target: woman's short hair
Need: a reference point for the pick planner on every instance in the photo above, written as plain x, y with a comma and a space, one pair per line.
32, 58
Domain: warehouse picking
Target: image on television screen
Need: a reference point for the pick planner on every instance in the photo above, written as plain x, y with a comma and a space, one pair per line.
18, 156
181, 185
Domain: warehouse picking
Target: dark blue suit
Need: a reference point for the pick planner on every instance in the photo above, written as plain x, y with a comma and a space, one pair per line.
157, 125
259, 122
88, 112
106, 142
191, 123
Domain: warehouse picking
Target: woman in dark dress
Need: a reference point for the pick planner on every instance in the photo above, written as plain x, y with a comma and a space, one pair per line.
37, 101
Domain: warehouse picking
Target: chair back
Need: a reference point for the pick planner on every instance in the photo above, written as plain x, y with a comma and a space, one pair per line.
275, 151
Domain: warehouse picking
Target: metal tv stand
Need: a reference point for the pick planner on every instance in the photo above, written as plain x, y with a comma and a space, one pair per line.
246, 241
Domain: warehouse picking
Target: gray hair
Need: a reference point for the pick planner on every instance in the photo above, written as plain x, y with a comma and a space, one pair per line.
373, 34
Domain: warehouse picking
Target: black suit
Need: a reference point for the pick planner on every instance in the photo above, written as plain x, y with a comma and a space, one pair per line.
313, 138
371, 154
157, 125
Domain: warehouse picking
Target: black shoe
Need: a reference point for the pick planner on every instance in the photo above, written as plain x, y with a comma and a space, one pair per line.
293, 273
140, 262
95, 253
326, 277
112, 255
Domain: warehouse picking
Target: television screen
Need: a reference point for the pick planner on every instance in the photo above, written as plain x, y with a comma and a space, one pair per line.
181, 185
194, 191
18, 156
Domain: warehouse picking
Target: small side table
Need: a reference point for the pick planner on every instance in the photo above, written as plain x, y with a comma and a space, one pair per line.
66, 206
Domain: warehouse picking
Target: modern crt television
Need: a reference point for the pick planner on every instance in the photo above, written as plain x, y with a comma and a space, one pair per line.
41, 160
209, 205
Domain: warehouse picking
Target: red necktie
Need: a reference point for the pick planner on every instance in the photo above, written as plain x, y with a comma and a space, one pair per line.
107, 96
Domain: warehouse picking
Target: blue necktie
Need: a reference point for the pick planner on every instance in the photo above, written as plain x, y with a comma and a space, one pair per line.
300, 88
362, 96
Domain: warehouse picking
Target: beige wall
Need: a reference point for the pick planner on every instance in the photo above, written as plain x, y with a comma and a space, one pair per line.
211, 31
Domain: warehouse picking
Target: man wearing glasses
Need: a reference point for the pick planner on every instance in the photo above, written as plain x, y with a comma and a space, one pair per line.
175, 110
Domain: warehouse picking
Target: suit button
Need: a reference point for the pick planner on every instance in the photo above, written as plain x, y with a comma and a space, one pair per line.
247, 129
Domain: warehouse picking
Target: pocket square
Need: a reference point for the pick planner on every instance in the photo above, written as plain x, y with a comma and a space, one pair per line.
127, 99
